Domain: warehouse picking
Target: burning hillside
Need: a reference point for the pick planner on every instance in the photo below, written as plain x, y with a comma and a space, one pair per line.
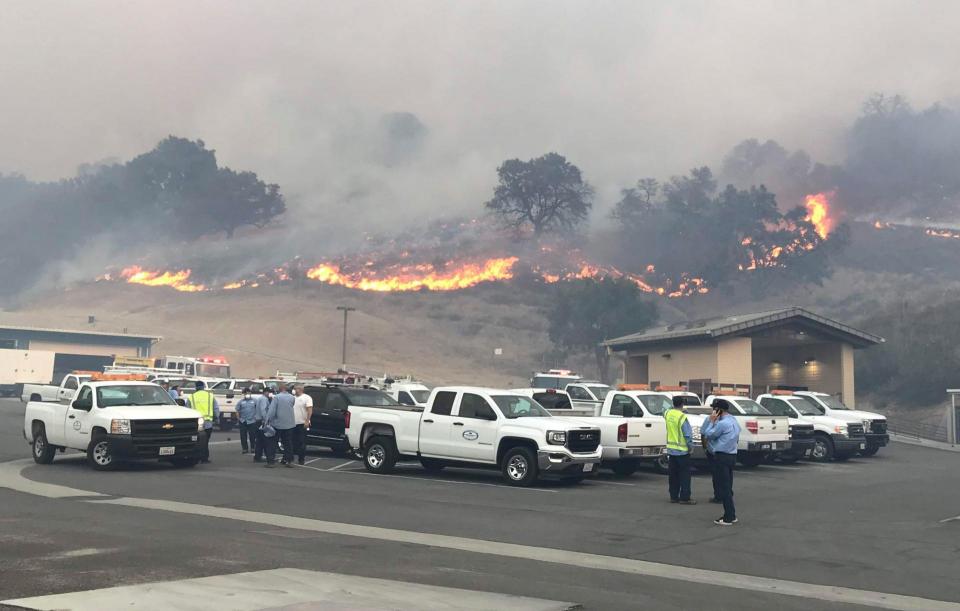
455, 256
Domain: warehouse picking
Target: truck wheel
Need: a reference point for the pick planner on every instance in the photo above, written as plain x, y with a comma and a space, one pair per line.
432, 465
519, 467
752, 459
184, 463
662, 464
43, 452
822, 449
625, 468
99, 455
870, 450
380, 454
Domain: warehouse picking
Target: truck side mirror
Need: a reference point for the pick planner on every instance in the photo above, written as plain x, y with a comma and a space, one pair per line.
84, 405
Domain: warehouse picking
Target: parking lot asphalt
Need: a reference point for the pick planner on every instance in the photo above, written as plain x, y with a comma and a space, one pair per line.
874, 525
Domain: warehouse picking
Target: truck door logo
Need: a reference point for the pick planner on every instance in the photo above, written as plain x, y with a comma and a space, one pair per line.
471, 435
76, 425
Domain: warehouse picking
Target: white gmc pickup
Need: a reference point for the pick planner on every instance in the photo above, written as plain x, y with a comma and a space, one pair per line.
476, 427
115, 421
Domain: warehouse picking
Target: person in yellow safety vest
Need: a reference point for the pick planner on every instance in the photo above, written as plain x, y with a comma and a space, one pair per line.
205, 403
679, 442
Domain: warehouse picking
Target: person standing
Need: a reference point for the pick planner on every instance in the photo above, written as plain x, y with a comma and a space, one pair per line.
679, 442
247, 415
174, 392
303, 411
280, 417
722, 433
205, 403
263, 403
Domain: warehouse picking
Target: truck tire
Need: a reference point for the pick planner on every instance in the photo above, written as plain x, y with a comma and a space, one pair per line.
380, 454
752, 459
43, 452
432, 465
99, 455
519, 466
625, 468
662, 464
871, 449
822, 448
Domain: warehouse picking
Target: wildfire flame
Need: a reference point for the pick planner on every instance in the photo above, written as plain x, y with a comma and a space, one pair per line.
942, 233
178, 280
416, 277
818, 213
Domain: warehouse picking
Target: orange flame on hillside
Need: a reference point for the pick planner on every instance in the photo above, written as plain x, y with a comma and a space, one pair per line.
818, 213
416, 277
942, 233
178, 280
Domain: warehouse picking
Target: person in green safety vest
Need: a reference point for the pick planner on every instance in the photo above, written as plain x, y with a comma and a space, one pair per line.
205, 403
679, 443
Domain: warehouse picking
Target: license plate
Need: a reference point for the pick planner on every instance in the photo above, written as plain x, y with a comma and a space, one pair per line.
863, 446
587, 468
167, 451
765, 446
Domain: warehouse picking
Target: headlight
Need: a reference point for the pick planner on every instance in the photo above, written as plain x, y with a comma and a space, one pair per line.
120, 427
557, 437
200, 423
866, 426
840, 429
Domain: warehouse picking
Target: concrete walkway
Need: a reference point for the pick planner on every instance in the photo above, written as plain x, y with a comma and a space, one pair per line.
927, 443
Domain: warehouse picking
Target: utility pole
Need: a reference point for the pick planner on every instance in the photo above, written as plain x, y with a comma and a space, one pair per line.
343, 354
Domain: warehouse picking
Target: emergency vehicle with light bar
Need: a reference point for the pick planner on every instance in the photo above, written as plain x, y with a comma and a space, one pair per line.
115, 418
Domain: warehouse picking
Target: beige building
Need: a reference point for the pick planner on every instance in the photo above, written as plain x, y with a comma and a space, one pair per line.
790, 349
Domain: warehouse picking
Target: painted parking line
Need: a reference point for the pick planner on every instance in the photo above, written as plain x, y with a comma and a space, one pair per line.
313, 460
11, 477
349, 462
953, 519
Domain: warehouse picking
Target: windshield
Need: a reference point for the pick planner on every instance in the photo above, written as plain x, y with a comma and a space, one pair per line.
698, 409
804, 407
367, 397
811, 402
133, 394
552, 400
690, 400
420, 396
556, 382
655, 404
210, 370
600, 391
751, 408
779, 408
515, 406
834, 403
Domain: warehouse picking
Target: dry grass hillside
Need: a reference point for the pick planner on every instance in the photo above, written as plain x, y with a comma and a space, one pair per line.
439, 337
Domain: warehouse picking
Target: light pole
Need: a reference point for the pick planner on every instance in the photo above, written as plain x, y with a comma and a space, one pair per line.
343, 354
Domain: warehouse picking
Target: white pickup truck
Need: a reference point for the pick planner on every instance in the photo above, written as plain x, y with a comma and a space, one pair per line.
51, 392
762, 435
408, 393
632, 429
113, 422
475, 427
833, 438
588, 395
874, 425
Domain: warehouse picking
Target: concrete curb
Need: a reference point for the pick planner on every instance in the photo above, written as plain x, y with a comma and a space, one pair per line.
926, 443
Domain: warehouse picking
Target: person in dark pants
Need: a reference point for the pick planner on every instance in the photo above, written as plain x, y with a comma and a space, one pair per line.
722, 433
679, 442
712, 466
247, 415
203, 401
263, 403
280, 416
303, 410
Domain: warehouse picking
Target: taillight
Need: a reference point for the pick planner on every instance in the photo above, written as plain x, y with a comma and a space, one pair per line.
622, 432
346, 419
753, 426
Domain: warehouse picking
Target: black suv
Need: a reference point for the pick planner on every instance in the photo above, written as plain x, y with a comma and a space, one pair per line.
330, 402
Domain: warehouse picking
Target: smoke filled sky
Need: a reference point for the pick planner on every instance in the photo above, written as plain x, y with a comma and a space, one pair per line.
313, 95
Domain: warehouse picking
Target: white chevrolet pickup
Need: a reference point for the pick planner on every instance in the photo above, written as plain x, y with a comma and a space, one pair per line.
762, 435
52, 392
476, 427
115, 421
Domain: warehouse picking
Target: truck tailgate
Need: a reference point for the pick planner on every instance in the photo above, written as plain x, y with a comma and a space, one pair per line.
645, 432
771, 428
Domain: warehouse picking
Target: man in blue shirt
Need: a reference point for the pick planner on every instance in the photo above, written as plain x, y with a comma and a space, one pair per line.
281, 416
722, 433
263, 403
247, 415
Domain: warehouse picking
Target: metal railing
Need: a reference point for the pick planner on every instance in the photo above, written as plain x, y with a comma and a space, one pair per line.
918, 430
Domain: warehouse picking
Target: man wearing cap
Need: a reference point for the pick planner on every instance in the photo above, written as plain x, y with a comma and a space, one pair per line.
263, 403
281, 415
722, 434
679, 442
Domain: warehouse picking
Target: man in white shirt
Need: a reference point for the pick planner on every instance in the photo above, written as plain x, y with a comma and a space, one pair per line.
302, 410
